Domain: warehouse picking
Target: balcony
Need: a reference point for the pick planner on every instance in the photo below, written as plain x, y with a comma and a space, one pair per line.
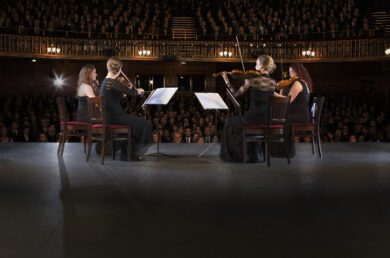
200, 51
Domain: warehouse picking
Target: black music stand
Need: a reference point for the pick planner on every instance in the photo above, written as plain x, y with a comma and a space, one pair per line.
211, 101
159, 97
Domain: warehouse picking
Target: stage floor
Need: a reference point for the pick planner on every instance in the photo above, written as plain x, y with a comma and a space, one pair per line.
185, 206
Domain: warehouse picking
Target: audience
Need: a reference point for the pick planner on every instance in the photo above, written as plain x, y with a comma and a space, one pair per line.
344, 120
216, 20
293, 19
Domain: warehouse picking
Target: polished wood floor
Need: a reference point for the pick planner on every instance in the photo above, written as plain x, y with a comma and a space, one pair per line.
185, 206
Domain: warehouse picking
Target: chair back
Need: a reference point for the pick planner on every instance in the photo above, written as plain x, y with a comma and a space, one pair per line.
95, 110
316, 109
277, 109
61, 108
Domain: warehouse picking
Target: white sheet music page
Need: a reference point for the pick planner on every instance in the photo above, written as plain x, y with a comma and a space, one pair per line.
161, 96
211, 100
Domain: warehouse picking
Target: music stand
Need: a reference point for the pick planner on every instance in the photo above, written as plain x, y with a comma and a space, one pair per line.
211, 101
237, 107
160, 96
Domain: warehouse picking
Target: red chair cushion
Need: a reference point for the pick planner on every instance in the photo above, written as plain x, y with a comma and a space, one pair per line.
110, 126
74, 123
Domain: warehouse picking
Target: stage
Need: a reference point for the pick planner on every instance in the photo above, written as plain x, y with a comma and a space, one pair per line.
185, 206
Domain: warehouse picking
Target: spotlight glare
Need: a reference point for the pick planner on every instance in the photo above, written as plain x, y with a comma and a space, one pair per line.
58, 80
387, 51
34, 60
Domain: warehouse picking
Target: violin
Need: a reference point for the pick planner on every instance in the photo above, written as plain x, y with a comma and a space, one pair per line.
286, 83
239, 74
125, 80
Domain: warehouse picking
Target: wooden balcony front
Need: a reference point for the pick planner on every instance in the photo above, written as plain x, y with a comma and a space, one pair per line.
372, 49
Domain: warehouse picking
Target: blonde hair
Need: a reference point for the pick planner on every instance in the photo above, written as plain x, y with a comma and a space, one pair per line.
114, 64
267, 62
84, 75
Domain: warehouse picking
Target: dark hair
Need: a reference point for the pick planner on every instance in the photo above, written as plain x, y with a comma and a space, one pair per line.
303, 74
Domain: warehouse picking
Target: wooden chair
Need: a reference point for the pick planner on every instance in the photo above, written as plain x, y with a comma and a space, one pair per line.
312, 129
69, 128
273, 131
101, 131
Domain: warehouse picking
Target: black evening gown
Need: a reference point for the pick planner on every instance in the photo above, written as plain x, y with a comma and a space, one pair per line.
297, 112
231, 145
113, 91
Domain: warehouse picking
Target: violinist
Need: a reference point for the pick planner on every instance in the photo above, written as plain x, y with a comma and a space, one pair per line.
298, 88
260, 88
113, 90
85, 89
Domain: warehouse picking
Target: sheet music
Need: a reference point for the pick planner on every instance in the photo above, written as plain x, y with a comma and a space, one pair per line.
211, 100
160, 96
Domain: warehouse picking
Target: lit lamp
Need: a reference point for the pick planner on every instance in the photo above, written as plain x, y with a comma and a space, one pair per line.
308, 53
144, 52
225, 53
387, 51
53, 50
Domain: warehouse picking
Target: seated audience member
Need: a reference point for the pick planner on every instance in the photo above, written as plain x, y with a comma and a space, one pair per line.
177, 137
42, 137
4, 135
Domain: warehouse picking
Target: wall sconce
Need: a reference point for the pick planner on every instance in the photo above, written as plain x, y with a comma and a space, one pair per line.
144, 52
387, 51
308, 53
225, 54
53, 50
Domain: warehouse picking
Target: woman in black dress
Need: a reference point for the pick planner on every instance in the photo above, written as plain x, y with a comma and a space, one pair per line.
299, 91
85, 90
260, 89
113, 91
298, 109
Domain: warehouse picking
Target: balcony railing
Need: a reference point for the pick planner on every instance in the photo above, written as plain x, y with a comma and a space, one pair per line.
218, 51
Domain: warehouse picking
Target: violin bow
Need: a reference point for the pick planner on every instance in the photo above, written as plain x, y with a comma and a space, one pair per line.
239, 51
281, 60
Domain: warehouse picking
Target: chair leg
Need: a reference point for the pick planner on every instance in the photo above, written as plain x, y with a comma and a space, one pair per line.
129, 154
59, 143
264, 152
102, 150
267, 154
89, 141
85, 144
113, 149
64, 137
244, 147
312, 145
319, 144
